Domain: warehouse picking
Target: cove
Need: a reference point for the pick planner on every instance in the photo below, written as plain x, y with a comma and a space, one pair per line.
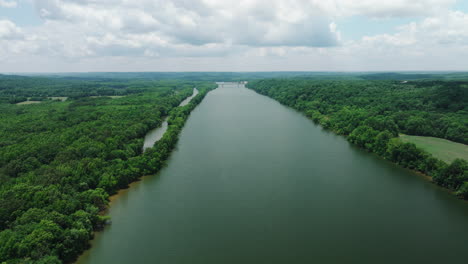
157, 133
252, 181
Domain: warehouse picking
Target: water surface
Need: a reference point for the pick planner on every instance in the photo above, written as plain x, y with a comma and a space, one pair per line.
188, 99
157, 133
252, 181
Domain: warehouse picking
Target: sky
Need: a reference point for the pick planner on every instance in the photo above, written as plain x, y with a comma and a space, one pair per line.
233, 35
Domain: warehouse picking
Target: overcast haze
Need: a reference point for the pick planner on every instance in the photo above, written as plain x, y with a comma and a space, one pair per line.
233, 35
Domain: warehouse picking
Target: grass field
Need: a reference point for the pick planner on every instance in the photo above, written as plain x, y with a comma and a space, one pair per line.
29, 102
111, 96
443, 149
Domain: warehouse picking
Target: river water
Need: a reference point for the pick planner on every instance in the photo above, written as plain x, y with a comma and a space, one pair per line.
157, 133
252, 181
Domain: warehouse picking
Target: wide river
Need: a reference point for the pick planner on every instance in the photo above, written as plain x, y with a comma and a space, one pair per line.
252, 181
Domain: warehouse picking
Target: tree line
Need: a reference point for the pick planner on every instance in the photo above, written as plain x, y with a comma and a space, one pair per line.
372, 114
14, 89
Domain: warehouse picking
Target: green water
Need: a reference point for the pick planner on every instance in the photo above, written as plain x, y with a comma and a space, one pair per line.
252, 181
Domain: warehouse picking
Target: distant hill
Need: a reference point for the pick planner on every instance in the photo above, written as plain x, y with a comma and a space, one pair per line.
246, 76
415, 76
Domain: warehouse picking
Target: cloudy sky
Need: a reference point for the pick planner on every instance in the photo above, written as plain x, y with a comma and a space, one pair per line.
233, 35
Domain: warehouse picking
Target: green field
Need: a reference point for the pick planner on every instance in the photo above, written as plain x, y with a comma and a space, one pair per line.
443, 149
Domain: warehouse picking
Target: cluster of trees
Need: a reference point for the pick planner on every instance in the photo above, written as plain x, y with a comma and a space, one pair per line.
14, 89
60, 161
372, 114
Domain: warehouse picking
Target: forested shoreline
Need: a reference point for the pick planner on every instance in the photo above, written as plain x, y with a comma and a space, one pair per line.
372, 113
60, 161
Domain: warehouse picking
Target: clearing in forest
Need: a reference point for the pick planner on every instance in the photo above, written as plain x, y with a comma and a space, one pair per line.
443, 149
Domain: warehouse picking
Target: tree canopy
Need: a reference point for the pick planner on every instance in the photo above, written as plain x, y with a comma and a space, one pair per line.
372, 114
60, 161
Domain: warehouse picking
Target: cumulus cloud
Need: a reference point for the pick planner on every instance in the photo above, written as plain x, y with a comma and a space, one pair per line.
434, 43
8, 4
8, 30
198, 22
451, 28
169, 28
14, 41
77, 31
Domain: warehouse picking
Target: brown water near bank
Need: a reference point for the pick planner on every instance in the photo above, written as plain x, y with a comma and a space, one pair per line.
152, 136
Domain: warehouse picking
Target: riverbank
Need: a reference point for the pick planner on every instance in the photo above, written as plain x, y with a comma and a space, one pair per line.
112, 199
331, 105
154, 157
157, 133
253, 181
148, 143
60, 161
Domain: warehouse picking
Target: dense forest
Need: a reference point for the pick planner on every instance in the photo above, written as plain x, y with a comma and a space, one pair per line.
60, 161
14, 89
372, 114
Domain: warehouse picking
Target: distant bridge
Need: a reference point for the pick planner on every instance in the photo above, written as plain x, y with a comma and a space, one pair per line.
232, 83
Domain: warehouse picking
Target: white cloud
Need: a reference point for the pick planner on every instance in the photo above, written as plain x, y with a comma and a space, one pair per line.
445, 30
8, 4
8, 30
14, 42
389, 8
265, 23
435, 43
305, 32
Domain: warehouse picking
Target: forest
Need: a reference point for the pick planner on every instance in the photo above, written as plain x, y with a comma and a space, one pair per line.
60, 161
14, 89
373, 113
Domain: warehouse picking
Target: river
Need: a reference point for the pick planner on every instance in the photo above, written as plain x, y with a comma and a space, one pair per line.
252, 181
157, 133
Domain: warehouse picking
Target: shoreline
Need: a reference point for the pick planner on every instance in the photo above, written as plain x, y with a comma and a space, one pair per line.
419, 173
121, 192
112, 199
